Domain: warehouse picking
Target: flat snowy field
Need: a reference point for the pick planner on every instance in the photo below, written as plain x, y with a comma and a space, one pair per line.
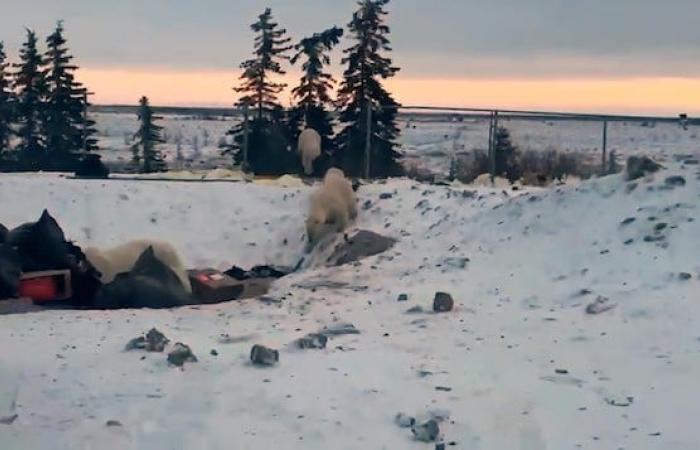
517, 365
430, 144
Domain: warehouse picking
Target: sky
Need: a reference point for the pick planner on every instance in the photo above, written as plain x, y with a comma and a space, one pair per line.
627, 56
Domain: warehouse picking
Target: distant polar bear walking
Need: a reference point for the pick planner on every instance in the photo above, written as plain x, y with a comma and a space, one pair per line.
309, 147
333, 207
113, 261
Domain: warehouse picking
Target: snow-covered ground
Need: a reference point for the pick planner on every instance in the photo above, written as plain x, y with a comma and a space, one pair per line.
517, 365
430, 144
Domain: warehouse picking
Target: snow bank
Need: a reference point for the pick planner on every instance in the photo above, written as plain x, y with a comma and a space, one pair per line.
518, 364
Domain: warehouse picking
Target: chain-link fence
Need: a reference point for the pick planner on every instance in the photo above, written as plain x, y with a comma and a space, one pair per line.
465, 142
438, 142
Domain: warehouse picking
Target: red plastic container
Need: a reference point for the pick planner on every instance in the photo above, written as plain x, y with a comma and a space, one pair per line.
42, 289
47, 286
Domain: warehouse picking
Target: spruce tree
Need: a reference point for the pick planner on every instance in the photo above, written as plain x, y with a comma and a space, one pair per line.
67, 127
146, 155
271, 47
268, 138
31, 91
361, 89
506, 155
312, 95
7, 103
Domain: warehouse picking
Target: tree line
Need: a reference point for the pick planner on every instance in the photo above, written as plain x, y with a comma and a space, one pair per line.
272, 131
44, 125
43, 108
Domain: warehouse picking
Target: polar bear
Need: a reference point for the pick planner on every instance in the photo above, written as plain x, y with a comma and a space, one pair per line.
333, 207
309, 147
120, 259
336, 181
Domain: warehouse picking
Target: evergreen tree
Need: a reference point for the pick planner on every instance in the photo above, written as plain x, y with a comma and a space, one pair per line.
146, 155
67, 127
268, 137
271, 46
31, 91
312, 95
362, 89
7, 103
506, 154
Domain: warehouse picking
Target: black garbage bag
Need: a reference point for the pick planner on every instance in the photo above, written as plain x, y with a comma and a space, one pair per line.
149, 284
10, 271
92, 167
41, 244
263, 271
85, 278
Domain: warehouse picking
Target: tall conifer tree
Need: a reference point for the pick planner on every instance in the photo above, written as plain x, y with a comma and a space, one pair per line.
7, 103
146, 155
361, 89
268, 138
313, 94
31, 91
67, 127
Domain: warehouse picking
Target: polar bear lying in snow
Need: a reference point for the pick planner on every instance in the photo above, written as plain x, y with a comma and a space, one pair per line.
333, 207
119, 259
309, 147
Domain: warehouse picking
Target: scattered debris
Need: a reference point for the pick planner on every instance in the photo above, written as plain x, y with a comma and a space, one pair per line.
684, 276
619, 401
404, 421
561, 371
599, 306
660, 227
213, 352
180, 354
675, 180
443, 302
113, 423
427, 431
443, 388
263, 356
313, 340
415, 310
640, 166
457, 263
155, 341
385, 195
628, 221
339, 329
137, 343
8, 420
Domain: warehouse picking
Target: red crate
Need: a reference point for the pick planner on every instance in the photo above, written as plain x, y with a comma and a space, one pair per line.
47, 286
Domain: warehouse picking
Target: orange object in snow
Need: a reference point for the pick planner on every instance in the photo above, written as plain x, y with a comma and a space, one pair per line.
46, 286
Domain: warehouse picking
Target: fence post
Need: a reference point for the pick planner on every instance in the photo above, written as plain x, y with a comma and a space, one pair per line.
605, 147
368, 143
492, 144
245, 137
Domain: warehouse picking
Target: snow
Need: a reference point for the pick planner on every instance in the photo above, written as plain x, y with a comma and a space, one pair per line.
518, 324
427, 141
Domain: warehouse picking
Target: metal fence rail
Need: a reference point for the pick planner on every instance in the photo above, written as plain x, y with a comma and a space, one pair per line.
495, 117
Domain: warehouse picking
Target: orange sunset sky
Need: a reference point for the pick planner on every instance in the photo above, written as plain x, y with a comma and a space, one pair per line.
643, 95
624, 56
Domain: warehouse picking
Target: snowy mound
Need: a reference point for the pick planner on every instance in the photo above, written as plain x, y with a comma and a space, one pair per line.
523, 361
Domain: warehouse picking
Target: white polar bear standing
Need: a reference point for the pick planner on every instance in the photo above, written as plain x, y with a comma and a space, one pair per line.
309, 147
119, 259
333, 207
336, 181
